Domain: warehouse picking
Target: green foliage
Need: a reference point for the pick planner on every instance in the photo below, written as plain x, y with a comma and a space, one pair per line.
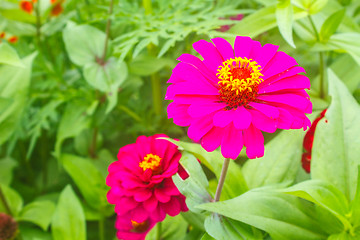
39, 213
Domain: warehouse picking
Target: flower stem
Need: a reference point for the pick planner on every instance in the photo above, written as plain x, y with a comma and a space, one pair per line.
158, 232
5, 203
222, 179
108, 24
101, 229
92, 149
322, 65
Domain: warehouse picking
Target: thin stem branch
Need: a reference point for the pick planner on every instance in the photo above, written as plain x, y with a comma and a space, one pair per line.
108, 24
38, 24
101, 229
147, 6
92, 149
222, 179
158, 232
5, 203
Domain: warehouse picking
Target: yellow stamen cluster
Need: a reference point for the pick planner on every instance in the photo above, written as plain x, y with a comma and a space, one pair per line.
238, 81
152, 162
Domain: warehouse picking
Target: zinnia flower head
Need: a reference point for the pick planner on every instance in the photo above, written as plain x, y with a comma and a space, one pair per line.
8, 227
141, 180
129, 229
13, 39
2, 35
56, 10
26, 6
233, 94
308, 143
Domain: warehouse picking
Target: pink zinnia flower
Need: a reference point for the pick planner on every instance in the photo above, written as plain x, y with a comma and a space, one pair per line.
141, 180
226, 28
128, 229
308, 143
232, 95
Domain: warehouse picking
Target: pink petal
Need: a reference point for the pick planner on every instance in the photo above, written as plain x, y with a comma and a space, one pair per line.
161, 196
212, 58
270, 111
195, 99
158, 214
243, 46
198, 88
262, 122
224, 47
142, 146
254, 142
150, 204
200, 110
190, 74
285, 74
262, 55
212, 139
169, 187
172, 207
179, 113
142, 195
223, 118
289, 99
242, 118
293, 82
232, 142
199, 127
139, 214
285, 119
279, 63
198, 64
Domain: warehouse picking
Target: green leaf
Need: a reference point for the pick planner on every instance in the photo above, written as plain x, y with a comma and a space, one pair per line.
284, 19
345, 236
14, 84
39, 213
223, 228
355, 204
31, 233
312, 6
72, 123
324, 195
235, 183
282, 216
172, 228
13, 199
88, 179
207, 237
7, 166
195, 186
280, 163
335, 153
69, 220
261, 21
349, 71
146, 65
83, 43
331, 24
9, 56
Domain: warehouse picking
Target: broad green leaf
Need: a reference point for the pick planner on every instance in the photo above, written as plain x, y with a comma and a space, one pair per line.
172, 228
261, 21
280, 163
6, 170
39, 213
335, 153
284, 19
223, 228
88, 179
195, 186
324, 195
145, 65
207, 237
235, 183
72, 123
331, 24
83, 43
69, 220
345, 236
311, 6
355, 204
14, 84
13, 199
31, 233
9, 56
282, 216
348, 71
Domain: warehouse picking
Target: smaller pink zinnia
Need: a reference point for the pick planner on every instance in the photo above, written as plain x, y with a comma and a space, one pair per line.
129, 229
141, 180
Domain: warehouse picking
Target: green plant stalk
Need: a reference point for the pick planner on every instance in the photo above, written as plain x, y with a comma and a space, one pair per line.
108, 24
158, 231
101, 229
5, 203
147, 6
222, 179
92, 149
322, 65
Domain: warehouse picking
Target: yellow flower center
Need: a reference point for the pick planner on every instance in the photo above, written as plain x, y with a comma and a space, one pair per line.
152, 162
238, 81
140, 227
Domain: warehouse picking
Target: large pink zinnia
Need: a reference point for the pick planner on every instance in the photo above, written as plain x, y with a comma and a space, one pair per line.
128, 229
232, 95
141, 180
